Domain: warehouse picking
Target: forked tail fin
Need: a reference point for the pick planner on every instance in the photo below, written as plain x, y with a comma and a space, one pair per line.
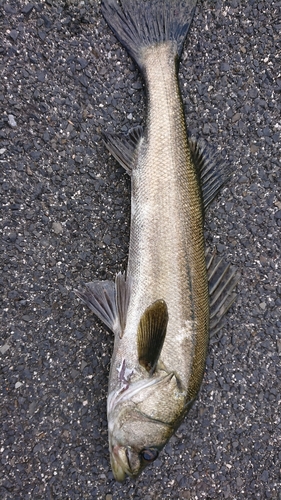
141, 23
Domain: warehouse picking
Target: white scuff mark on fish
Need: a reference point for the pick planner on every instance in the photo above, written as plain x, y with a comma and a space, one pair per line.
124, 375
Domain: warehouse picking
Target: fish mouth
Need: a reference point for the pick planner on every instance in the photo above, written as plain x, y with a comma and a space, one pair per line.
119, 463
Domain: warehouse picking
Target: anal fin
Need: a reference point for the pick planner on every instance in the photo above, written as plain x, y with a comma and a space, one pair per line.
124, 147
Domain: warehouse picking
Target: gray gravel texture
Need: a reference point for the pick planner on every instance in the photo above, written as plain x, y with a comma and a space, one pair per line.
65, 209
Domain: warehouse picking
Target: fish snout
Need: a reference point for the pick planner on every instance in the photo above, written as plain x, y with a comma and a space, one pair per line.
119, 463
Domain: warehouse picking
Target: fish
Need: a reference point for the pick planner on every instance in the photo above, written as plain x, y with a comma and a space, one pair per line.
174, 292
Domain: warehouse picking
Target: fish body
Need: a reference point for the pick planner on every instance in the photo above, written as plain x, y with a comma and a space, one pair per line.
160, 311
166, 252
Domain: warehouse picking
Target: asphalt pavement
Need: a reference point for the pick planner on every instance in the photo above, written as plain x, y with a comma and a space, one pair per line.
64, 219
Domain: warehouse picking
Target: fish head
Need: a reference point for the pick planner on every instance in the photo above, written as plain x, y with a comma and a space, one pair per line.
135, 444
141, 421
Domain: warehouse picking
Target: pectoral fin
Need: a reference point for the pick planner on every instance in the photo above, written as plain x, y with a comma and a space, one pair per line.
151, 334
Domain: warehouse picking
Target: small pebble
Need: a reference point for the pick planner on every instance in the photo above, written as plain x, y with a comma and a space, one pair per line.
57, 227
4, 348
12, 122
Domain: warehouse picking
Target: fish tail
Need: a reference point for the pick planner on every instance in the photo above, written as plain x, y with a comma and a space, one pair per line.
142, 23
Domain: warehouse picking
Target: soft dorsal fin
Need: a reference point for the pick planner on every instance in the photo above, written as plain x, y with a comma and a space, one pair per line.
124, 147
151, 334
108, 301
213, 172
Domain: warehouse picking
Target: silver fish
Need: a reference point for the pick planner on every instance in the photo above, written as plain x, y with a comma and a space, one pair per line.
160, 310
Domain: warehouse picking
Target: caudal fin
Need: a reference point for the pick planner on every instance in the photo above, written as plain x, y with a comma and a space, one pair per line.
141, 23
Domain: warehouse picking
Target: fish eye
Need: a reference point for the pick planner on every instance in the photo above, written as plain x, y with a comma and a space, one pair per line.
149, 454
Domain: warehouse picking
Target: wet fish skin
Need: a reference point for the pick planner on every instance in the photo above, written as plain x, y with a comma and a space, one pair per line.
166, 261
159, 311
170, 236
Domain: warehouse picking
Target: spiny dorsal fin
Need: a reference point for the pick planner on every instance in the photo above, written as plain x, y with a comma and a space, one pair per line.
151, 334
124, 147
223, 278
108, 301
213, 172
